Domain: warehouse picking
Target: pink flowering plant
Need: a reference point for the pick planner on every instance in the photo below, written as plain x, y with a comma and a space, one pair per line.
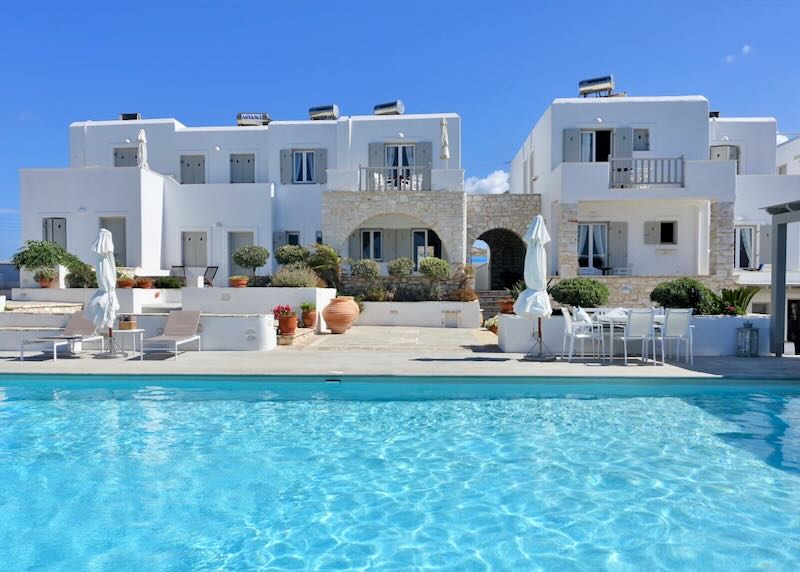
283, 310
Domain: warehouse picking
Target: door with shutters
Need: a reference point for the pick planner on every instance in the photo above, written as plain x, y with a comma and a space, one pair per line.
54, 229
236, 240
195, 248
243, 168
125, 157
116, 226
193, 169
618, 247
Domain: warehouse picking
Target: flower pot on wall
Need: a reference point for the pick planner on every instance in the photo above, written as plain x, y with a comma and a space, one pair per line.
125, 282
309, 318
340, 314
506, 305
145, 283
287, 325
238, 281
44, 283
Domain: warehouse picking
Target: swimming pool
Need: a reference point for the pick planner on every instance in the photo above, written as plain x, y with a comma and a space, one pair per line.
150, 473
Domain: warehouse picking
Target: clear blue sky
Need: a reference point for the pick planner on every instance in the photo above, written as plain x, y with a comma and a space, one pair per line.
498, 64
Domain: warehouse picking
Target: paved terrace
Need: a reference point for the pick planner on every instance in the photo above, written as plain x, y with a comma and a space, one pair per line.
401, 351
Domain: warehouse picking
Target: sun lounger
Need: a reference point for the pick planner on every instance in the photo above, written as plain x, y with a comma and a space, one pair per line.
78, 329
181, 328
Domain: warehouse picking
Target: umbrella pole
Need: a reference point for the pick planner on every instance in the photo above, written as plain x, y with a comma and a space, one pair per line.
544, 353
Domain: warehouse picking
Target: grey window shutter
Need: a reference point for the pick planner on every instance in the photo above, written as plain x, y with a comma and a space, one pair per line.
423, 157
572, 145
278, 239
286, 166
765, 244
376, 155
652, 232
623, 143
618, 244
321, 166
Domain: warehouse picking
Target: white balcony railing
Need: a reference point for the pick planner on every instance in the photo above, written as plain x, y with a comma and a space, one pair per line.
394, 178
627, 173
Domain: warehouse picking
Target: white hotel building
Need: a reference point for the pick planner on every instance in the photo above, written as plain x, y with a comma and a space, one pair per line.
209, 190
639, 188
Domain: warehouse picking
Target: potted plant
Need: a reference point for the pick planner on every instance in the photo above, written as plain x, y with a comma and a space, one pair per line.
238, 281
507, 304
251, 256
45, 277
491, 324
144, 282
125, 281
309, 314
287, 319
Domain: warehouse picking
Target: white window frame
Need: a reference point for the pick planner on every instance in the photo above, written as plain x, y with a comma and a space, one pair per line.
304, 153
290, 233
372, 233
737, 238
590, 245
427, 245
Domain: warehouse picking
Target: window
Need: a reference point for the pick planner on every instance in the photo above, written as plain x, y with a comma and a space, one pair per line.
668, 235
725, 153
593, 245
319, 237
293, 238
398, 159
243, 168
641, 139
661, 232
54, 229
744, 247
193, 169
760, 308
125, 157
595, 146
587, 146
303, 171
372, 244
782, 170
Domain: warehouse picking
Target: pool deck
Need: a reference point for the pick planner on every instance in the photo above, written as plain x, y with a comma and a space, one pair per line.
397, 351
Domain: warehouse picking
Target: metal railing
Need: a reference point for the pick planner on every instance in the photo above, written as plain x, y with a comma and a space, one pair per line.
417, 178
645, 172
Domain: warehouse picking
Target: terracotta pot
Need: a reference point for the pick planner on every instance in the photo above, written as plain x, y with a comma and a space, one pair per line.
506, 306
309, 318
238, 282
146, 283
355, 307
125, 282
287, 325
340, 314
46, 283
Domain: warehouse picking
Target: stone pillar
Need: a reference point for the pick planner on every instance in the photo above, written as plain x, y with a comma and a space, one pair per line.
568, 240
720, 260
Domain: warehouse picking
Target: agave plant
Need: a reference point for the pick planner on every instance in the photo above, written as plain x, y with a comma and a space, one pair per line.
739, 298
516, 289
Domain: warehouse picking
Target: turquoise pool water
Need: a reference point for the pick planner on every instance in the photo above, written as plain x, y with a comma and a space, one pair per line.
207, 474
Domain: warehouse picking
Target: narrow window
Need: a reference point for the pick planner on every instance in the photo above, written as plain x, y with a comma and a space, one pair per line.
293, 238
641, 139
593, 246
303, 171
372, 244
668, 233
743, 244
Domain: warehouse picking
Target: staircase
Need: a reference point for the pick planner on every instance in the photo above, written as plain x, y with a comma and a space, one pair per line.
488, 300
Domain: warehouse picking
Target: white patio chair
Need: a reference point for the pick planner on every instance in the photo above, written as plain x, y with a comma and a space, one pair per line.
639, 327
678, 328
574, 330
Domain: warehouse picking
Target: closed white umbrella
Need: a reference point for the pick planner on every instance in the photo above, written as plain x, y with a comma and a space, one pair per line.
142, 151
534, 301
103, 305
444, 153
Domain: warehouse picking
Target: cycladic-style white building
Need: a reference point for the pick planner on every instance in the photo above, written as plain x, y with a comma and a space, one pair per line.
207, 191
657, 186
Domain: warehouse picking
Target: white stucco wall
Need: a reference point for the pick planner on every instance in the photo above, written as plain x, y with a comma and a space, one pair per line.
755, 137
788, 154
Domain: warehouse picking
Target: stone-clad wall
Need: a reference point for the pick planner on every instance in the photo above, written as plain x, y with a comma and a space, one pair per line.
443, 211
721, 255
634, 291
512, 212
568, 240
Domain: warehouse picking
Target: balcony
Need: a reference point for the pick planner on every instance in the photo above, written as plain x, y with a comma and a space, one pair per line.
646, 172
394, 178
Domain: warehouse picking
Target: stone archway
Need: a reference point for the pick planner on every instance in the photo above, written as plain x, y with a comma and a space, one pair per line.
506, 257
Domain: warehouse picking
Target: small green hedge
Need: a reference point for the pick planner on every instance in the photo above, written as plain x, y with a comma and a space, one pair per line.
686, 293
294, 276
365, 268
583, 292
291, 254
435, 268
400, 267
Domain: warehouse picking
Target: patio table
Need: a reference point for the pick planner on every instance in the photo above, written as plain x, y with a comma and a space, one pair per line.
616, 321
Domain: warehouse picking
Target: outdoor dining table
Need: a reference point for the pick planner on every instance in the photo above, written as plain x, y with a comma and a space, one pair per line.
614, 321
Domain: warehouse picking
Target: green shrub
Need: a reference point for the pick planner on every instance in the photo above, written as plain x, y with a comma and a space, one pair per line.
168, 282
686, 293
308, 306
45, 274
291, 254
738, 298
516, 289
400, 267
252, 257
376, 295
435, 268
584, 292
410, 294
365, 268
36, 254
463, 295
326, 263
295, 275
81, 276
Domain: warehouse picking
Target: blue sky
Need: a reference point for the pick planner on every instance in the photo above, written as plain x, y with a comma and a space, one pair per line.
498, 64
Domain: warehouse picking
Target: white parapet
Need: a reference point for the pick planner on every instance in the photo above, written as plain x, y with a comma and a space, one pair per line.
130, 300
421, 314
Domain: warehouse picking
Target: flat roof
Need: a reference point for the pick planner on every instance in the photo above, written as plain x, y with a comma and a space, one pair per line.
635, 99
